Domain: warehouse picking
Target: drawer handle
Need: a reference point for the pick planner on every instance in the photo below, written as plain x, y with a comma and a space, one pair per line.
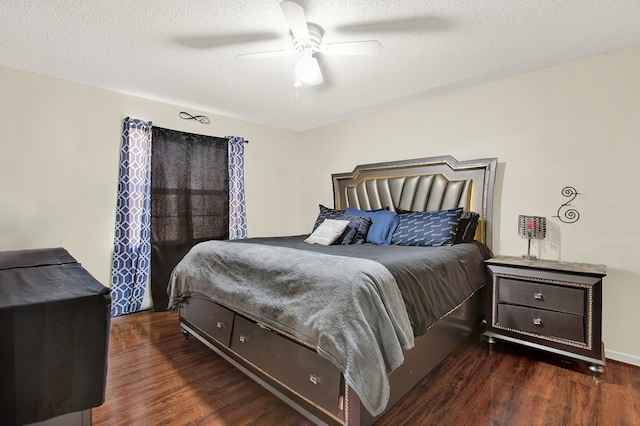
244, 338
537, 322
314, 378
220, 324
538, 296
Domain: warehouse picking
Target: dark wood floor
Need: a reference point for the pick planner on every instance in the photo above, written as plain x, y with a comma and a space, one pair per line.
156, 377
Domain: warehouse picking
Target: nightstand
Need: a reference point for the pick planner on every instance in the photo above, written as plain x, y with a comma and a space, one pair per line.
548, 305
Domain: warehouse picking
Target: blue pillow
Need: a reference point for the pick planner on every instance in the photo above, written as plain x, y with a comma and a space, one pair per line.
435, 228
326, 213
383, 223
356, 232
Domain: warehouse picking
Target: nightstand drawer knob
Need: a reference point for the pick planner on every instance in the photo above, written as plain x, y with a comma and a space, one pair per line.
538, 296
537, 322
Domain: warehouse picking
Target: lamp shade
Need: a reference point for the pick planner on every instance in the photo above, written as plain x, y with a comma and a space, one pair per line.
532, 227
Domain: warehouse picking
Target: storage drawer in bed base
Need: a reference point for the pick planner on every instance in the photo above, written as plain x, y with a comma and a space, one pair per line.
297, 402
212, 319
299, 369
430, 349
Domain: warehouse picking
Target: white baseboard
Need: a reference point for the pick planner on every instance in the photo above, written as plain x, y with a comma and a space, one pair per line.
622, 357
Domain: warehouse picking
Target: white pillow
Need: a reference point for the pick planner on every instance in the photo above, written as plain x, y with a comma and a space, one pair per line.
328, 232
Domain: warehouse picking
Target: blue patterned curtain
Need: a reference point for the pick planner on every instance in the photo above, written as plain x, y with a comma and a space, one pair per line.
132, 242
237, 211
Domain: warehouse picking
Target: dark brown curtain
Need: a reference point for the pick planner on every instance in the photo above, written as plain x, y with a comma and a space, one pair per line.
189, 199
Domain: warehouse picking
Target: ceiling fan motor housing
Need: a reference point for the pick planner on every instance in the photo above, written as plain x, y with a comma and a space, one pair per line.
311, 44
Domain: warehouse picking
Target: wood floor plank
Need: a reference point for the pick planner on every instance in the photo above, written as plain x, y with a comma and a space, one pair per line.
156, 377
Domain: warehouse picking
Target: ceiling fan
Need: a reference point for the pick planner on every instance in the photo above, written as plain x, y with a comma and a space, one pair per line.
306, 38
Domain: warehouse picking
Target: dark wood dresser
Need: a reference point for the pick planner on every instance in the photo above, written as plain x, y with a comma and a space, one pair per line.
548, 305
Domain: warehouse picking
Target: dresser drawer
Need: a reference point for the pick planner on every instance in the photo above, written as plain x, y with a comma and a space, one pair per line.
214, 320
539, 295
546, 323
293, 365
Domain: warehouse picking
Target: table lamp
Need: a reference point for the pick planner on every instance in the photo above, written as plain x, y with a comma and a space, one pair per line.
531, 228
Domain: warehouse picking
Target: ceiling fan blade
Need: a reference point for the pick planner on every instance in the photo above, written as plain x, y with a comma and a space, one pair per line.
208, 41
294, 14
265, 55
403, 25
357, 48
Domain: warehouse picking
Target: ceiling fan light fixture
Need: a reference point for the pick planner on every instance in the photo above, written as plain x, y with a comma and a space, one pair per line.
308, 71
306, 39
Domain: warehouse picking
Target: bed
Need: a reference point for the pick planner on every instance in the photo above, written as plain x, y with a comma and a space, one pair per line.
341, 332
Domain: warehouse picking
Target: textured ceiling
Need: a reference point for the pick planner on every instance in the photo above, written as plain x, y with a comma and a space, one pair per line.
184, 53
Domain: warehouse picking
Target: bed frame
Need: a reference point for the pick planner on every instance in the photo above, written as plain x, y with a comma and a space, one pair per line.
290, 368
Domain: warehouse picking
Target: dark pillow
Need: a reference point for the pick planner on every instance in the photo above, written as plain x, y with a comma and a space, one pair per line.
356, 232
383, 223
403, 211
326, 213
466, 227
435, 228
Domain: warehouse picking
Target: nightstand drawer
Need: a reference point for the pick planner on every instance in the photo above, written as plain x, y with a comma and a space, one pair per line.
540, 295
543, 322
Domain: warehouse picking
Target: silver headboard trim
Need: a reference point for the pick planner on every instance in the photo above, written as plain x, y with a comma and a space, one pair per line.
423, 184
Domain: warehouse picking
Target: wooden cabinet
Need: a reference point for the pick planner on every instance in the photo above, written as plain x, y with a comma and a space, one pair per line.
548, 305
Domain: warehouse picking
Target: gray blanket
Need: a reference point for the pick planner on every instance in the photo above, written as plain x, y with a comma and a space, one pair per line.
350, 309
432, 280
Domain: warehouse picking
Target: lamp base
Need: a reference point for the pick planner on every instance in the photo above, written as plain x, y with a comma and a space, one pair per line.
529, 256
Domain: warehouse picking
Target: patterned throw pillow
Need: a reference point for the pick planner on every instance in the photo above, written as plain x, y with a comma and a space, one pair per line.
328, 232
435, 228
326, 213
356, 232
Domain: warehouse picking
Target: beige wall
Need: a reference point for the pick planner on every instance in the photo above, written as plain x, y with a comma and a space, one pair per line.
59, 153
576, 124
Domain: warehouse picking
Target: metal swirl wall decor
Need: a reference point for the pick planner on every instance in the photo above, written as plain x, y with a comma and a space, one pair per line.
565, 213
202, 119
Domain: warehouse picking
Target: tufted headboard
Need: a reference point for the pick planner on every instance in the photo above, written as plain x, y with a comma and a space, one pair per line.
423, 184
